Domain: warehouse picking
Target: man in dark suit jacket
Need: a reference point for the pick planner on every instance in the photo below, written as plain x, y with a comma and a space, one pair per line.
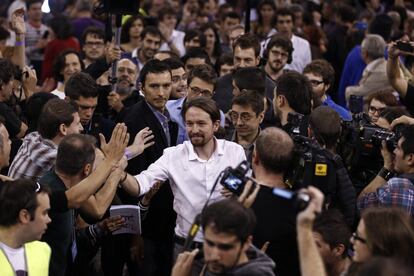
158, 226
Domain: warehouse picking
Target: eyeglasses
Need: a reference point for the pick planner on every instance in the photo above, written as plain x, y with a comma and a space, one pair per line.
373, 109
244, 116
358, 238
315, 82
178, 78
97, 44
199, 91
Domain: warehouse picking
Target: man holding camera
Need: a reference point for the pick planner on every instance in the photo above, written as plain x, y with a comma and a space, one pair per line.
395, 77
393, 186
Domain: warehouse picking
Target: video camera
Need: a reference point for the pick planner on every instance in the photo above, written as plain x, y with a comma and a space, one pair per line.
235, 179
360, 147
312, 164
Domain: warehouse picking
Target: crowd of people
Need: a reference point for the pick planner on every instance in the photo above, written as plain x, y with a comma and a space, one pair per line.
316, 97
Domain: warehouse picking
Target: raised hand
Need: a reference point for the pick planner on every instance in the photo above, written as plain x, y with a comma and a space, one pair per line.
115, 149
17, 22
247, 198
142, 140
184, 263
114, 101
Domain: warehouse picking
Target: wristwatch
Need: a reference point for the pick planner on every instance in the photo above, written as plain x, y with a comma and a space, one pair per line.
386, 174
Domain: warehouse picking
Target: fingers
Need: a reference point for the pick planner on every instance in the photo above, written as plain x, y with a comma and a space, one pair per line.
102, 139
264, 247
245, 192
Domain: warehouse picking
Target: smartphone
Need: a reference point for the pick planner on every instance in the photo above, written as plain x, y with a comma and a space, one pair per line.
405, 46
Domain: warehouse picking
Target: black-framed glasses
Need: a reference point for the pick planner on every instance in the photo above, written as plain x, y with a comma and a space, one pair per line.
315, 82
373, 109
199, 91
244, 116
358, 238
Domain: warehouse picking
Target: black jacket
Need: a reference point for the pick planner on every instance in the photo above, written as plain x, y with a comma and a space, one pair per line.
160, 220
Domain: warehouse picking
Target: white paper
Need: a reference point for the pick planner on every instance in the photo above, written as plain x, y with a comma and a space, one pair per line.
131, 215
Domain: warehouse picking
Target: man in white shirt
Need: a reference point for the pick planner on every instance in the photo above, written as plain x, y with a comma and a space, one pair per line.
191, 167
173, 39
301, 48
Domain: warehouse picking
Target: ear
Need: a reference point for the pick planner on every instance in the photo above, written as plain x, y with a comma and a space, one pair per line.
24, 216
247, 243
255, 158
257, 61
63, 129
216, 125
326, 87
280, 100
339, 250
410, 159
87, 170
261, 116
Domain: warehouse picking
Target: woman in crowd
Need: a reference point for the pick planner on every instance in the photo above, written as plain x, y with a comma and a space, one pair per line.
213, 47
131, 30
266, 20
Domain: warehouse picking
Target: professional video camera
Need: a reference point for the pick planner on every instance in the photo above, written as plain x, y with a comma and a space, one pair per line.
360, 148
312, 164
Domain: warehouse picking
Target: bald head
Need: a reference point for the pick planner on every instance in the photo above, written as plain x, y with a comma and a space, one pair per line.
274, 150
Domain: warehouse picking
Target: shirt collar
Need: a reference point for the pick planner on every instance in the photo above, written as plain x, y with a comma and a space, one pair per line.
161, 117
192, 155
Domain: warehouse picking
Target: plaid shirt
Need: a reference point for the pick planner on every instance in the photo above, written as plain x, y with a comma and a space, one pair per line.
35, 157
397, 192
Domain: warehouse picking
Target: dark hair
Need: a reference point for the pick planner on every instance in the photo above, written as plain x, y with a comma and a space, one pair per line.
6, 71
230, 217
61, 26
274, 149
196, 53
192, 33
250, 98
322, 68
389, 233
326, 125
231, 14
332, 227
247, 41
152, 30
17, 195
174, 63
206, 104
60, 63
31, 2
384, 96
381, 25
346, 13
34, 106
55, 112
75, 151
285, 11
250, 79
384, 266
127, 26
204, 72
166, 10
93, 31
226, 58
153, 66
282, 42
408, 144
81, 85
297, 90
217, 45
262, 3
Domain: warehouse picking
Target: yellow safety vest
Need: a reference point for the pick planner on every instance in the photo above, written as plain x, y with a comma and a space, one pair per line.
37, 260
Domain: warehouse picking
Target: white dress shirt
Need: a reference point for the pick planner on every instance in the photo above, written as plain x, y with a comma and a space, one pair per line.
301, 55
191, 178
177, 38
